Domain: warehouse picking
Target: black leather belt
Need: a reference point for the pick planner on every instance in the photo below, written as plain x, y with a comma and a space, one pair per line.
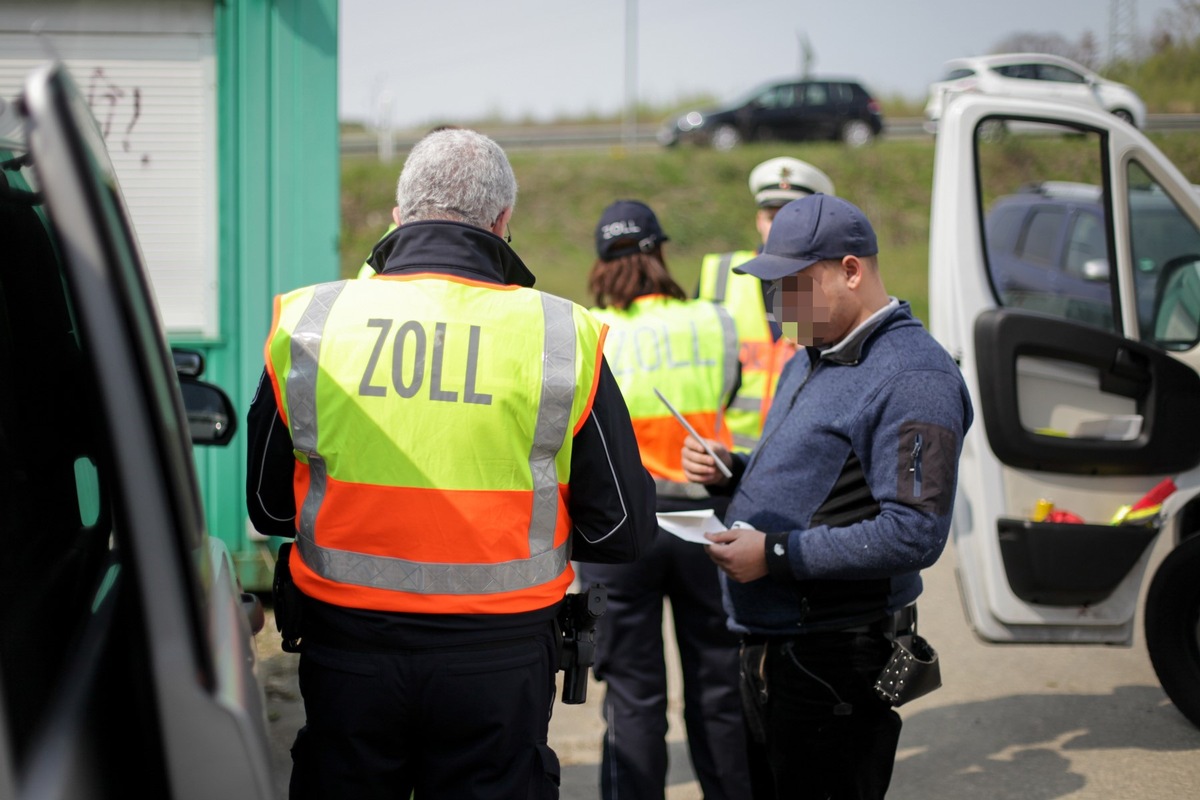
896, 624
902, 621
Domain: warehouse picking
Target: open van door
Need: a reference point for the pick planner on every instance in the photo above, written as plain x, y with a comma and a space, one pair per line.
1065, 279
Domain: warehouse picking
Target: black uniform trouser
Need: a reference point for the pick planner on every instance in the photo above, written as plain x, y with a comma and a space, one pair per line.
630, 660
828, 735
455, 722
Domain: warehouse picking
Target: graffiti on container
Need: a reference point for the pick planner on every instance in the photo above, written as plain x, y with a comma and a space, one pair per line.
116, 109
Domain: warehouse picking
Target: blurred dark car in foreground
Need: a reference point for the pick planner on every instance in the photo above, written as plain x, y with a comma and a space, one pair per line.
127, 658
832, 109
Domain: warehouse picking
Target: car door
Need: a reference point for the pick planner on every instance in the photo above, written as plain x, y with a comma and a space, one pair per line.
126, 658
1082, 414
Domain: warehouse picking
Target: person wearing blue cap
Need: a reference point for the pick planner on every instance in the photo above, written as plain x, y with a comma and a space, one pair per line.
845, 499
660, 341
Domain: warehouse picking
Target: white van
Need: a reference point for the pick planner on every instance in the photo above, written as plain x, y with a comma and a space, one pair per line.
1086, 382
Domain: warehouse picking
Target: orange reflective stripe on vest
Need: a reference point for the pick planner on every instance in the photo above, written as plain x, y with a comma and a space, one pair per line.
432, 421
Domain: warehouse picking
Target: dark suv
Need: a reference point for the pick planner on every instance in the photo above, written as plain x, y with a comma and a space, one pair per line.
787, 110
1047, 250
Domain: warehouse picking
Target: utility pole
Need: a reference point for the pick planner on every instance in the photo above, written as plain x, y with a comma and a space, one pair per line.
629, 129
1122, 31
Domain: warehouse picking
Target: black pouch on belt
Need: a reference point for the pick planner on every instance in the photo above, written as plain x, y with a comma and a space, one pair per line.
753, 685
286, 597
911, 672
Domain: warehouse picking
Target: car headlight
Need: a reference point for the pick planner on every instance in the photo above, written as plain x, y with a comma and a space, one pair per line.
690, 121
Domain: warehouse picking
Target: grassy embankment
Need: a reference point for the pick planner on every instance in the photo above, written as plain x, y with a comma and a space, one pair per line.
701, 198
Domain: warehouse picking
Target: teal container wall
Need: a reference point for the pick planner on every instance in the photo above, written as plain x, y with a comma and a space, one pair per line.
279, 212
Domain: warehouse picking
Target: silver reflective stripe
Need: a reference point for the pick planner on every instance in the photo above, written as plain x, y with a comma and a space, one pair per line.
742, 440
746, 403
554, 418
731, 364
302, 397
381, 572
722, 277
675, 490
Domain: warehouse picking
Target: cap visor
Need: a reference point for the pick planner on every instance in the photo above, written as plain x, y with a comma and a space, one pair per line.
772, 268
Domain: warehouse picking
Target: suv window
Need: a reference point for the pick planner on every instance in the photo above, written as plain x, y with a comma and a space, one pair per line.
816, 95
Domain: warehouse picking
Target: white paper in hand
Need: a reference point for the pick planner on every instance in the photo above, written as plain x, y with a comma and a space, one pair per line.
690, 525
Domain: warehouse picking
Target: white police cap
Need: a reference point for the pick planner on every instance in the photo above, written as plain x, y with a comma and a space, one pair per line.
778, 181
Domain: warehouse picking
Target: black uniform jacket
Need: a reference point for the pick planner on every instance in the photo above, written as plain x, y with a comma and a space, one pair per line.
611, 495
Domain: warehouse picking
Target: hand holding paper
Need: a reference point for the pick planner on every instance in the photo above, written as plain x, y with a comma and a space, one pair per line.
688, 427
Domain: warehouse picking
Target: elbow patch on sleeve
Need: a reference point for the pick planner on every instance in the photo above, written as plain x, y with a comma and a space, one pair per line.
927, 467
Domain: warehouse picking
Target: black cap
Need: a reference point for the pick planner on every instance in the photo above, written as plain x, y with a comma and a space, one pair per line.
814, 228
627, 227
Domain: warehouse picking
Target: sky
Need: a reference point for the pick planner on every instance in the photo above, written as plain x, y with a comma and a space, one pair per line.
420, 62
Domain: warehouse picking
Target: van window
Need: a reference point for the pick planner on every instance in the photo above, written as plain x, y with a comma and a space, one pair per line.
1161, 238
1043, 210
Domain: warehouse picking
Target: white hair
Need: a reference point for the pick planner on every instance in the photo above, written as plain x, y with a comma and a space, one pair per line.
456, 174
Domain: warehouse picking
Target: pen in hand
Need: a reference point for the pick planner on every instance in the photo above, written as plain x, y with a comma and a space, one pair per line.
688, 427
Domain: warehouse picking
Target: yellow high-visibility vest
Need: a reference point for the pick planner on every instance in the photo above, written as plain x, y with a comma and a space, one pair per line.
688, 351
761, 357
432, 419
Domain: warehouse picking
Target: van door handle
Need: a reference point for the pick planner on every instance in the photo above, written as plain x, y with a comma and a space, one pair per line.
1128, 375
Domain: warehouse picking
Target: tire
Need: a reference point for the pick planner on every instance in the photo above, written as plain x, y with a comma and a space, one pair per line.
1172, 619
1123, 115
856, 133
726, 138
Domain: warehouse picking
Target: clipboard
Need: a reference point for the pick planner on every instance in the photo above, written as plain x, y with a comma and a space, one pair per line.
688, 427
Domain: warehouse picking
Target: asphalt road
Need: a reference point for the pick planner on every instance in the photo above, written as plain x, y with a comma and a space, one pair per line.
1011, 722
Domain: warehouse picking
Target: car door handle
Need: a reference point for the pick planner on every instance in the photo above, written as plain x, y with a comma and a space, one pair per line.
252, 607
1128, 375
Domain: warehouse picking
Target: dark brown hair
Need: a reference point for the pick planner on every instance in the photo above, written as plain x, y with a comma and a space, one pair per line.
619, 282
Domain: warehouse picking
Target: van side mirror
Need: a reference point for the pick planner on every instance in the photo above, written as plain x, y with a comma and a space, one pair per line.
1177, 310
1095, 269
210, 413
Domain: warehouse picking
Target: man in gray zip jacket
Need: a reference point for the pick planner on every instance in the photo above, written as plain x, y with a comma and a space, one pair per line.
847, 496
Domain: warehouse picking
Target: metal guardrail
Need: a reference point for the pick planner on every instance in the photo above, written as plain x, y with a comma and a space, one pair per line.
615, 135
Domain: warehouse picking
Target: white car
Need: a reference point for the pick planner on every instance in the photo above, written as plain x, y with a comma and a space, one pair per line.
1036, 76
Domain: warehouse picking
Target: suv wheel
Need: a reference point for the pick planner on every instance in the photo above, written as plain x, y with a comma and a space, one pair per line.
1123, 115
856, 133
726, 137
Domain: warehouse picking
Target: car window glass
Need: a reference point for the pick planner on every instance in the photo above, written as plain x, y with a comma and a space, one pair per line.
1053, 72
1043, 231
816, 94
1019, 71
1085, 245
1046, 237
959, 74
768, 98
1162, 238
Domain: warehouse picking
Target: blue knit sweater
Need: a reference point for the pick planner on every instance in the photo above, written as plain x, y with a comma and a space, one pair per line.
855, 475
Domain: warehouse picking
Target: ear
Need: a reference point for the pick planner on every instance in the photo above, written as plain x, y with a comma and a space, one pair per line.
501, 223
396, 216
852, 271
